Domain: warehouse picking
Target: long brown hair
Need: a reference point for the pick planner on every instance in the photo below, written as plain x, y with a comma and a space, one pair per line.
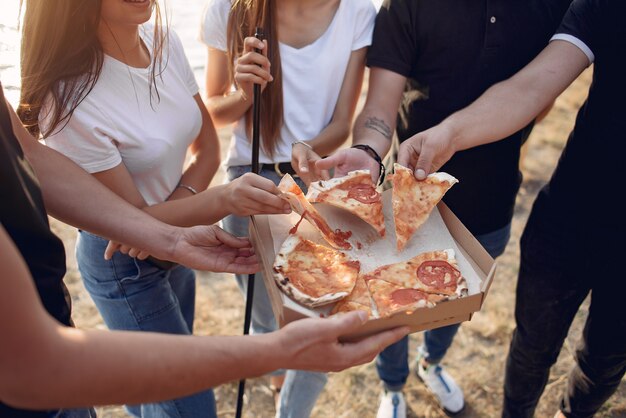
62, 58
244, 17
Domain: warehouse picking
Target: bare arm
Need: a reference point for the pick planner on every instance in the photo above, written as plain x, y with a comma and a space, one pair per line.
45, 365
374, 126
224, 105
502, 110
205, 159
337, 131
249, 194
376, 123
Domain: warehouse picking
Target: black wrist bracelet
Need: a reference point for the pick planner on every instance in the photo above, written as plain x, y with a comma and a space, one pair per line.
372, 153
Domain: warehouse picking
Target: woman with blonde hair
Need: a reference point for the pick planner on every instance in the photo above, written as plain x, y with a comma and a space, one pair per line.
310, 70
117, 96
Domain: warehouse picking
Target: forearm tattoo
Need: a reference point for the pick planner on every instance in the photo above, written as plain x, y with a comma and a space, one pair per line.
379, 126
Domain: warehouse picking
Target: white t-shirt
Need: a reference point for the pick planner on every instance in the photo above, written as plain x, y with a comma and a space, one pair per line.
118, 123
312, 75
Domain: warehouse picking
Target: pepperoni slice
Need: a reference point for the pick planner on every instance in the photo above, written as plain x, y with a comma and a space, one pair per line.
433, 273
364, 193
407, 296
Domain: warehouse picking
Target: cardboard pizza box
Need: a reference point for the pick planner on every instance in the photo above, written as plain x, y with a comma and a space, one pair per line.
442, 230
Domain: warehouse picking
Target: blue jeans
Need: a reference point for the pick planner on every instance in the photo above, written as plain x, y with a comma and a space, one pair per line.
136, 295
74, 413
393, 362
300, 390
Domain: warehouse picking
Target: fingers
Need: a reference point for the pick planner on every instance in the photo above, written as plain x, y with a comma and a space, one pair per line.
324, 174
252, 66
414, 154
347, 323
331, 162
300, 156
133, 252
246, 257
230, 240
252, 73
254, 194
407, 154
424, 163
253, 59
304, 160
111, 248
251, 43
244, 266
264, 202
347, 160
114, 246
365, 350
143, 255
259, 182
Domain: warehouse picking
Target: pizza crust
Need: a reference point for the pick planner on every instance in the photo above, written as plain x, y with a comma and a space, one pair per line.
317, 187
294, 263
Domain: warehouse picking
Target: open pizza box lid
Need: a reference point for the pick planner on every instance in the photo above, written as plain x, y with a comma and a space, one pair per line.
441, 231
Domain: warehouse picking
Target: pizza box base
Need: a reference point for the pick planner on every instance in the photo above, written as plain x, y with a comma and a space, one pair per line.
444, 313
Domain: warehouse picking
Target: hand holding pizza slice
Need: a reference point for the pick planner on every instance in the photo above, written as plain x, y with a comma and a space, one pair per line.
413, 200
299, 203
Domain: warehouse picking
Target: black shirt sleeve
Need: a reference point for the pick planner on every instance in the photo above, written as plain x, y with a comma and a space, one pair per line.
582, 21
394, 43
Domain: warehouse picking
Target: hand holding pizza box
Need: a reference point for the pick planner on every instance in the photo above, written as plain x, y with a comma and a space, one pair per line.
439, 276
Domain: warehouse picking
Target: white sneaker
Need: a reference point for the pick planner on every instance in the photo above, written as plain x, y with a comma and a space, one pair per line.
392, 405
443, 386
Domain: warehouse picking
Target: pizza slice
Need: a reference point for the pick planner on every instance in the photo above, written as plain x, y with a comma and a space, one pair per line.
357, 300
413, 200
299, 203
391, 298
355, 193
433, 272
312, 274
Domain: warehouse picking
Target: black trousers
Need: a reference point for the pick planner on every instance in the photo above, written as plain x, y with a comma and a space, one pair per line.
558, 269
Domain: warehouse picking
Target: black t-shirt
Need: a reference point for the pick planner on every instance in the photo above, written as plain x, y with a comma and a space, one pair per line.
587, 187
451, 51
23, 215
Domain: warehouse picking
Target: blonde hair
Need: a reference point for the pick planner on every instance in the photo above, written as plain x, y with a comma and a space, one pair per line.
63, 66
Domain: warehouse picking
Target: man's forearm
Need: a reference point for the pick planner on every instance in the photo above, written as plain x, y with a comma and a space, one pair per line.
374, 129
512, 104
137, 368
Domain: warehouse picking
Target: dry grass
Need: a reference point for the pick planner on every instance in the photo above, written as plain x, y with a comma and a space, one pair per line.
477, 357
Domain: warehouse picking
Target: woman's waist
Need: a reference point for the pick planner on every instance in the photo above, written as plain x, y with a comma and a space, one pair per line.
240, 152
